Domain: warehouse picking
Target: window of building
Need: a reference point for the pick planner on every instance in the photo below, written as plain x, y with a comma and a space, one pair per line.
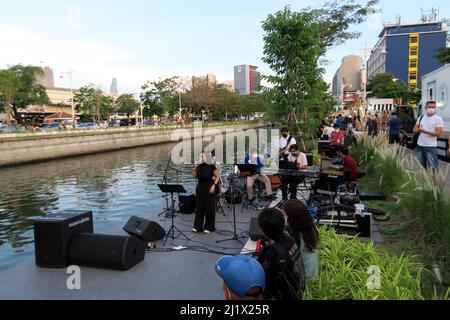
413, 64
414, 40
431, 94
413, 51
413, 76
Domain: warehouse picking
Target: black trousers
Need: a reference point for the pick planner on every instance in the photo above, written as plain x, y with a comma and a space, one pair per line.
290, 184
205, 214
394, 139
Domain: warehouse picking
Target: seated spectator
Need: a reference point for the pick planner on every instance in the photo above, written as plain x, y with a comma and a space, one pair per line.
243, 278
285, 274
301, 228
337, 137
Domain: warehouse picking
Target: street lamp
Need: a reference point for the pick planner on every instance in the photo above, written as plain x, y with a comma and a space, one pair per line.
70, 74
365, 71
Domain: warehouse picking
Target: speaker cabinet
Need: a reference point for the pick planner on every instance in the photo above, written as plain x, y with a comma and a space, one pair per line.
187, 204
106, 251
146, 230
52, 235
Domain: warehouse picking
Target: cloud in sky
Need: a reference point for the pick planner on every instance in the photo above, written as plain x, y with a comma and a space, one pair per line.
92, 62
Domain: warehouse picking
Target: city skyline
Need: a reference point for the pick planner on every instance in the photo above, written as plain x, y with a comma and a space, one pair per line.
201, 37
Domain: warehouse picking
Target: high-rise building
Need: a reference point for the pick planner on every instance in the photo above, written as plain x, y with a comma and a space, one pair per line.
46, 79
114, 86
348, 77
229, 85
206, 81
408, 50
247, 79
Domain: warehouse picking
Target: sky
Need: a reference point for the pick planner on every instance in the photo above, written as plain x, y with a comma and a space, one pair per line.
140, 40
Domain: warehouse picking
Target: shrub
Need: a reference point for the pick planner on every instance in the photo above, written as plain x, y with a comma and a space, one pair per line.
346, 268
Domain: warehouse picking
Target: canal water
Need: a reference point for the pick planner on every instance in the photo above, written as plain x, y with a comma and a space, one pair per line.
114, 185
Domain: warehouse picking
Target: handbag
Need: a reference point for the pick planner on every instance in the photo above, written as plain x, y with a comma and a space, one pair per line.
415, 138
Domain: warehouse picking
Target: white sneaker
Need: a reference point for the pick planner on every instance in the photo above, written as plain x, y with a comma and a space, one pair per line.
194, 230
207, 231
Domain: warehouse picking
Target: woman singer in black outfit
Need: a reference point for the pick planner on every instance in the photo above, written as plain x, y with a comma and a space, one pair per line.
208, 180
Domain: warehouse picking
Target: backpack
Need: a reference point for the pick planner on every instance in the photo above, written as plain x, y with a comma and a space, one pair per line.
290, 280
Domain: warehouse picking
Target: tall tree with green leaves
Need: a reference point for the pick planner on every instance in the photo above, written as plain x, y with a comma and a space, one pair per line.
29, 92
159, 97
93, 103
294, 44
127, 104
292, 50
9, 85
385, 86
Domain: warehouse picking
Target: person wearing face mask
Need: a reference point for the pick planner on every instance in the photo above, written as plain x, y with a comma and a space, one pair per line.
255, 159
337, 137
296, 161
286, 141
430, 128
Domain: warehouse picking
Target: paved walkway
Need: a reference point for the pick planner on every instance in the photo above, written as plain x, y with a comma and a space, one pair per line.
163, 275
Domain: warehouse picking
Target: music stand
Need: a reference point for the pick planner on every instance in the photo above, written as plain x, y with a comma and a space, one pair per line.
235, 235
173, 188
247, 168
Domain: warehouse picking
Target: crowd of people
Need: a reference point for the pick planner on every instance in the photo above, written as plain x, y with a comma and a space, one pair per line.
289, 254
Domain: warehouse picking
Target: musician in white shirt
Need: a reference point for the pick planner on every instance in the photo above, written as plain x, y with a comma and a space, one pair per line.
297, 160
286, 141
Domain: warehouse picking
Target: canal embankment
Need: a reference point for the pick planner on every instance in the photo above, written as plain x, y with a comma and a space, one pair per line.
16, 149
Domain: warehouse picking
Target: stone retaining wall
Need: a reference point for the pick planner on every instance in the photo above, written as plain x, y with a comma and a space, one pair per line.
20, 149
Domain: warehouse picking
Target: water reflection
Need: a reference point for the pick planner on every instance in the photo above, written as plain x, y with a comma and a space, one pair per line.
114, 185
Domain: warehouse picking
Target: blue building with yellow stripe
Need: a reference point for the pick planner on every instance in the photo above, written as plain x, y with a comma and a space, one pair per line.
408, 51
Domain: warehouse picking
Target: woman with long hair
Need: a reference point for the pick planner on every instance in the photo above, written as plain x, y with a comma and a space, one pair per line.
302, 229
208, 179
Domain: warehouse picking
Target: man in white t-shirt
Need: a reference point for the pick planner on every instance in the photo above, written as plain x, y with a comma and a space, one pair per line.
430, 127
286, 141
297, 161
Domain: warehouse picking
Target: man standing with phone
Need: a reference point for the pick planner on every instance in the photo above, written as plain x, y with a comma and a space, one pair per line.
430, 128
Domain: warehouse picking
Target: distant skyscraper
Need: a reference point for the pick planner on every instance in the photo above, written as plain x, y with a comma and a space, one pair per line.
247, 79
348, 77
114, 86
46, 79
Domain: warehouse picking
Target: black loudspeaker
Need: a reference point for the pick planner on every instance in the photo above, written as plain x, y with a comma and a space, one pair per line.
372, 196
106, 251
255, 231
187, 204
52, 235
144, 229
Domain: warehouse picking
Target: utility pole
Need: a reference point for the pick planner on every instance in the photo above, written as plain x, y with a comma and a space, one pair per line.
70, 74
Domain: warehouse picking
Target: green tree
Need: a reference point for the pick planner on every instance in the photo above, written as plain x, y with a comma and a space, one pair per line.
444, 55
28, 92
335, 18
91, 102
9, 85
127, 104
159, 97
292, 50
385, 86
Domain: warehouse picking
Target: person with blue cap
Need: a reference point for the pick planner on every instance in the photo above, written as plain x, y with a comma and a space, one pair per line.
243, 277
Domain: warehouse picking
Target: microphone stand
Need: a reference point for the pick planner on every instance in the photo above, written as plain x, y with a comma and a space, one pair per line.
167, 209
235, 236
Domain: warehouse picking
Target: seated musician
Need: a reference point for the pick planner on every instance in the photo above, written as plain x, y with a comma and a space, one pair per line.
350, 166
286, 141
255, 159
297, 161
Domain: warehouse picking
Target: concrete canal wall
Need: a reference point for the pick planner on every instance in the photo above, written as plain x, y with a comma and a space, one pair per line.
21, 149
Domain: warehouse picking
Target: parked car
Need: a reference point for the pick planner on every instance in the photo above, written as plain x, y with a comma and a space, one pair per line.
88, 126
50, 126
14, 129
